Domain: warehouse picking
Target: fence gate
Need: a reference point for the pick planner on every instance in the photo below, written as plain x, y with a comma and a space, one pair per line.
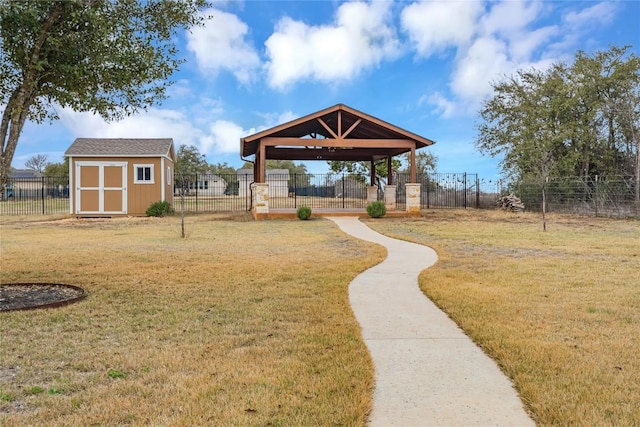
101, 188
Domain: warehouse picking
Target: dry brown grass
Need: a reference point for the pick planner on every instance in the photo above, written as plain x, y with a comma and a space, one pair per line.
559, 311
241, 323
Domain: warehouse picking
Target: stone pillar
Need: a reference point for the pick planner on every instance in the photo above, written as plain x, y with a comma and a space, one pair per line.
372, 193
260, 202
390, 197
413, 198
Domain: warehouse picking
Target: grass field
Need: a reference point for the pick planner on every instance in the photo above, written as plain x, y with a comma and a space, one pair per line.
248, 323
241, 323
559, 311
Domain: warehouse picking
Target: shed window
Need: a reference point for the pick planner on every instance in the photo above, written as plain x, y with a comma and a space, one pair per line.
143, 174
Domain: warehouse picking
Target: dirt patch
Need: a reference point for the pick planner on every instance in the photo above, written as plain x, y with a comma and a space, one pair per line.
25, 296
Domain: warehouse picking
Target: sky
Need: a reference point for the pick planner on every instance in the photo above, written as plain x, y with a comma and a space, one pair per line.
424, 66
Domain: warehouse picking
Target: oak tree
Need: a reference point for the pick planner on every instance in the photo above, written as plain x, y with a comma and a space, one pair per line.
109, 57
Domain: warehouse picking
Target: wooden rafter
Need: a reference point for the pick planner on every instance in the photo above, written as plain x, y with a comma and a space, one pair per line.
366, 138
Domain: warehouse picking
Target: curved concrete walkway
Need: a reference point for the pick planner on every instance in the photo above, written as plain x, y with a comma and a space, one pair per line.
428, 372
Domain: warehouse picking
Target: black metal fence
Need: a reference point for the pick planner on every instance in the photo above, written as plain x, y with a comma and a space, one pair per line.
35, 196
232, 193
441, 190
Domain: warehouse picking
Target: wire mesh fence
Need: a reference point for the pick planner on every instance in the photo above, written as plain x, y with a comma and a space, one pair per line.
596, 196
616, 197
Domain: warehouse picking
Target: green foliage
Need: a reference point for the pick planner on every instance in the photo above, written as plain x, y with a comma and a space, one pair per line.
304, 212
54, 390
6, 397
35, 390
159, 209
189, 164
297, 170
376, 209
115, 374
574, 119
113, 58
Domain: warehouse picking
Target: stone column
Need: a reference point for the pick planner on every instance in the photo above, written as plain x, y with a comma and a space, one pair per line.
413, 198
260, 202
390, 197
372, 193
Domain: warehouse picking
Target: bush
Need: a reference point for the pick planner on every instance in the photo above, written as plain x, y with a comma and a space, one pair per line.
376, 209
159, 209
304, 212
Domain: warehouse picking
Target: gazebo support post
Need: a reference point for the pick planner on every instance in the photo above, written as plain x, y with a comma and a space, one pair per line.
372, 189
413, 188
260, 193
390, 188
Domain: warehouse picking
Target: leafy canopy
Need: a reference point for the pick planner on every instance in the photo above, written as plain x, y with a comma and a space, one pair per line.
580, 119
113, 58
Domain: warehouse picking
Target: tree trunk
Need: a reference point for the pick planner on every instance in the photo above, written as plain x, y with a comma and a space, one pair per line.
17, 109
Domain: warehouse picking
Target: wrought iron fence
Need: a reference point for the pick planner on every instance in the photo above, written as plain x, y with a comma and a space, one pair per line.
441, 190
232, 193
612, 196
35, 196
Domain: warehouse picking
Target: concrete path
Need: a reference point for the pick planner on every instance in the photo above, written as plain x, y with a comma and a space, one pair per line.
428, 372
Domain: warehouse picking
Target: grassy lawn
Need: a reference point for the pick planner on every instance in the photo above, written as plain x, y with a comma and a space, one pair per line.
241, 323
559, 311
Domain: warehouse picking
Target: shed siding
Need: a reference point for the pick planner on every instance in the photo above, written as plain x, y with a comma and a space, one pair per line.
139, 195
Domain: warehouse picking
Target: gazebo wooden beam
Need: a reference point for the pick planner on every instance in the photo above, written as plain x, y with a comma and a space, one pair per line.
338, 142
277, 153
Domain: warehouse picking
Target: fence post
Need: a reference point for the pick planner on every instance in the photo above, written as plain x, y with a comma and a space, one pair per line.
42, 193
464, 183
342, 191
596, 196
477, 192
197, 188
427, 191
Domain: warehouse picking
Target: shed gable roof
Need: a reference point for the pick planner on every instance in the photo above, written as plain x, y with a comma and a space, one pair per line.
122, 147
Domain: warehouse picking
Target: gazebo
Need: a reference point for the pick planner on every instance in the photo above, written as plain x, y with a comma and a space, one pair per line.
335, 133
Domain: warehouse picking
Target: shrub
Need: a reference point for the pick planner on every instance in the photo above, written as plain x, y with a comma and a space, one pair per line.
159, 209
376, 209
304, 212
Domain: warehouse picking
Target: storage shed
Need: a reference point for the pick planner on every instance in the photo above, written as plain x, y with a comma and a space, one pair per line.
112, 177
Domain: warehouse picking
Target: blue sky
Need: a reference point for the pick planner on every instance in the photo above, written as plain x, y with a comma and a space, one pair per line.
423, 66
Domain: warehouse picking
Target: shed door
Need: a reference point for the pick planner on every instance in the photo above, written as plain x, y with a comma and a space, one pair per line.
101, 188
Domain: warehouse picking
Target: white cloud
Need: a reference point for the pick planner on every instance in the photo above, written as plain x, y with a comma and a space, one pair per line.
442, 105
509, 18
224, 137
436, 26
155, 123
602, 12
485, 60
221, 45
360, 38
493, 41
221, 137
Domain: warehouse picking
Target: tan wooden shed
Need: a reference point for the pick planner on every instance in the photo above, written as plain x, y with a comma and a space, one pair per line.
115, 177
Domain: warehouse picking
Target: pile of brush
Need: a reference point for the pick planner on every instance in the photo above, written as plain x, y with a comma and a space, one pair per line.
510, 203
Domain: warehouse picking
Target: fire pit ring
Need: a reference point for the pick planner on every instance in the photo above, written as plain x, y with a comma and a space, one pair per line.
28, 296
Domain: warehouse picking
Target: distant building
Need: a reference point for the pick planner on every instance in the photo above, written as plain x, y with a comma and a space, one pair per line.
278, 180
